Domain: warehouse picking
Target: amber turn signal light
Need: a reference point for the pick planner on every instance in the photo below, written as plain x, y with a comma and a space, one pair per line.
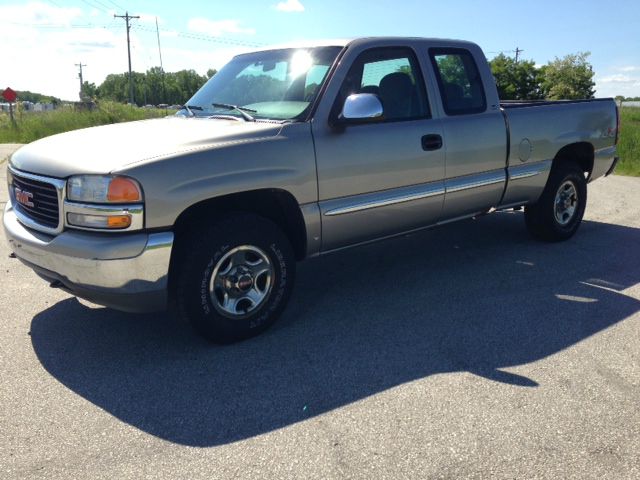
122, 190
118, 221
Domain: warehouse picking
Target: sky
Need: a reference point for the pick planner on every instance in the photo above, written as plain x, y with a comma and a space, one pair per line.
41, 41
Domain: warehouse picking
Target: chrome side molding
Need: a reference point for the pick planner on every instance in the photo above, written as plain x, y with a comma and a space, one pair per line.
453, 185
529, 170
468, 182
392, 197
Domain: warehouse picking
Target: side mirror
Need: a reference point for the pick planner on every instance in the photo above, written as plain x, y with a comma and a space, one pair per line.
361, 108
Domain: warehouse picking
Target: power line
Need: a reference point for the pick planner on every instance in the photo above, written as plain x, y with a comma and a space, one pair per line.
191, 36
501, 51
203, 37
126, 18
104, 5
115, 5
95, 5
517, 51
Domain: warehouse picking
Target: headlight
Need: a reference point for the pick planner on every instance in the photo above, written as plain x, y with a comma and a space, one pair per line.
104, 202
103, 189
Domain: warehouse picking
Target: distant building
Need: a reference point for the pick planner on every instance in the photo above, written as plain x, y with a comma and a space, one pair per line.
43, 107
29, 107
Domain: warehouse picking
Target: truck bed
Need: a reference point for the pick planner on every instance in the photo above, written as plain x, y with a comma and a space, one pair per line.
510, 104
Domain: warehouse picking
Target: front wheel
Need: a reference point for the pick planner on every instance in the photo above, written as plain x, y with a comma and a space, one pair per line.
235, 277
558, 212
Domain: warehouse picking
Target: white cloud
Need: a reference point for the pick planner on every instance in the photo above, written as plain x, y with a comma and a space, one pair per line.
618, 84
617, 78
169, 33
41, 43
620, 80
149, 19
38, 13
629, 68
290, 6
217, 28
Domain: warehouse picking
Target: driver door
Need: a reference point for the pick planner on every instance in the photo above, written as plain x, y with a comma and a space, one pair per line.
384, 178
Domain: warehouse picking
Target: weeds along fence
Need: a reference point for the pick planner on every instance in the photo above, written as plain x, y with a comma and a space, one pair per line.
31, 126
629, 144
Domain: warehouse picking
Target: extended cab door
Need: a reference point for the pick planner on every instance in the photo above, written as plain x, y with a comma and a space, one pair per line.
474, 129
383, 178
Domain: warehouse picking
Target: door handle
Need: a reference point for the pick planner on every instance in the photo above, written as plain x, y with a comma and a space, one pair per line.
431, 142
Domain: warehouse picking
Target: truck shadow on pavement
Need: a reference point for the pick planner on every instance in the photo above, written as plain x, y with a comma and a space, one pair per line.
480, 296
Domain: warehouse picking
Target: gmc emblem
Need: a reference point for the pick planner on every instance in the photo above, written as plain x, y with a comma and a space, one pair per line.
24, 197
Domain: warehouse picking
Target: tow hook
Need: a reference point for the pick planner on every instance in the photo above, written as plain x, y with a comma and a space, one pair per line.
12, 255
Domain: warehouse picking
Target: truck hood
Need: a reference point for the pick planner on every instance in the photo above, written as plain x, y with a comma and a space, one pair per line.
112, 147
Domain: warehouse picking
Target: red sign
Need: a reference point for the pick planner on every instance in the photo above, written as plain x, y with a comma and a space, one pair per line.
9, 95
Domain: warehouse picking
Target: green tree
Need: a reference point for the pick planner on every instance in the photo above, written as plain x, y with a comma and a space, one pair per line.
211, 72
115, 87
516, 80
27, 96
152, 87
452, 71
570, 78
247, 89
89, 90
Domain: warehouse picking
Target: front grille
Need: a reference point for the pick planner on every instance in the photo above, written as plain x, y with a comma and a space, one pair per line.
45, 201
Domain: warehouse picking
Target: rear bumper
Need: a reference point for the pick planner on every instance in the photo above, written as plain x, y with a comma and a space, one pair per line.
613, 166
127, 272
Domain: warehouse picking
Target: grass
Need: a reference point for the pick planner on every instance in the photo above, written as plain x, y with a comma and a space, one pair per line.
31, 126
629, 145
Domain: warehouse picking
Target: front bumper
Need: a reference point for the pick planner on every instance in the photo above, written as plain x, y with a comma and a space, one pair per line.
127, 272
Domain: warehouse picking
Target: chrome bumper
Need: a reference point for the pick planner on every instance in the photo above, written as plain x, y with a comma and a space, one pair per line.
127, 272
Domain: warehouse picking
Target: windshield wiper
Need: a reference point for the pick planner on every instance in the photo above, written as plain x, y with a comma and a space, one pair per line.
190, 108
242, 110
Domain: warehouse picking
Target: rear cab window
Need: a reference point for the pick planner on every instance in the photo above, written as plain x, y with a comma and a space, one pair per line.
459, 81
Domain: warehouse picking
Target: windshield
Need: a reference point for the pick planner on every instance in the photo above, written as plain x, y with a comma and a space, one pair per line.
275, 84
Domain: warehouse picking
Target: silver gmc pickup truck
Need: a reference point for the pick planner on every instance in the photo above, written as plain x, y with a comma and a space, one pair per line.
289, 153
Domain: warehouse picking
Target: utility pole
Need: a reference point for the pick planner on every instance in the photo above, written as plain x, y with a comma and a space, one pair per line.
128, 17
164, 90
80, 65
518, 52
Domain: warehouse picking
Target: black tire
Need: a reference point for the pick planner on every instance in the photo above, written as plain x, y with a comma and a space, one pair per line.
542, 217
200, 303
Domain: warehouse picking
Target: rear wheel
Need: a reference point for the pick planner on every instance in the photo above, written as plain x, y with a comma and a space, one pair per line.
235, 277
559, 210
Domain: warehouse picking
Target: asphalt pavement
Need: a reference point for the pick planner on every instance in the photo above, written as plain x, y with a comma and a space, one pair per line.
467, 351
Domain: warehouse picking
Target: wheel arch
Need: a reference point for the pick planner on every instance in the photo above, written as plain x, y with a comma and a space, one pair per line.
582, 153
277, 205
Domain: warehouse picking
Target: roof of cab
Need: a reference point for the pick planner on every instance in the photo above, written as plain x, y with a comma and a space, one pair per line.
343, 42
